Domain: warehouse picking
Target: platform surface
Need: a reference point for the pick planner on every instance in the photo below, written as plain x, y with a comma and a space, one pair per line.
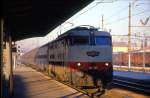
29, 83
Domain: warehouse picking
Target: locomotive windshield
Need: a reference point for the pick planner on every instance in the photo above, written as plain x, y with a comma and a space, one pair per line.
102, 40
86, 40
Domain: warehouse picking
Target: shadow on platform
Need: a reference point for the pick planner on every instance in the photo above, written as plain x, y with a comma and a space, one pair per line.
19, 87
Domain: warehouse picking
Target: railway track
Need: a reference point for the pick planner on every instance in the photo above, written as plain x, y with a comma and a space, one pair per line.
117, 81
95, 94
124, 83
132, 85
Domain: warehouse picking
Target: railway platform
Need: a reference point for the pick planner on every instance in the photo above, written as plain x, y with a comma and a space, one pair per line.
29, 83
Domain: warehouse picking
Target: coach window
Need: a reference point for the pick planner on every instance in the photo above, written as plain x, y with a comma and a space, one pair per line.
52, 56
51, 46
69, 41
81, 40
55, 45
63, 42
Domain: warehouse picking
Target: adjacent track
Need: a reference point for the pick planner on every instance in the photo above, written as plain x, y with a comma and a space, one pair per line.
126, 83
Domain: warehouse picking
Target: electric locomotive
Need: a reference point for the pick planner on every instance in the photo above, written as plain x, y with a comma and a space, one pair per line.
81, 56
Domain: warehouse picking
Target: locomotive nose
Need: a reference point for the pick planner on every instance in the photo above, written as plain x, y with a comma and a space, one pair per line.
101, 66
93, 66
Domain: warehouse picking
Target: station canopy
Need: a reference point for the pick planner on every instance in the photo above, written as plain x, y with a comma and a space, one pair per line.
36, 18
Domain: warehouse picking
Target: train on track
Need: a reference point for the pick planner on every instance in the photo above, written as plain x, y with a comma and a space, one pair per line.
81, 57
137, 59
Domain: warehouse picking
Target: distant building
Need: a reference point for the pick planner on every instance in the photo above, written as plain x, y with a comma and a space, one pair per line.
120, 43
120, 47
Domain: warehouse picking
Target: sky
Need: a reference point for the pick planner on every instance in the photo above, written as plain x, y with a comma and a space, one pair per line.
115, 18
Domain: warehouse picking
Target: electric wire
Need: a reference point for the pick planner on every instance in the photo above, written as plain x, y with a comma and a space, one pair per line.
87, 10
116, 13
124, 18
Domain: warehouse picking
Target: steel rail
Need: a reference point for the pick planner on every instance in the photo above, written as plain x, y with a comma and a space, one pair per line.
130, 85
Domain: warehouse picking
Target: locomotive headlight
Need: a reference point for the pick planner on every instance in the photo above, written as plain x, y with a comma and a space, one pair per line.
106, 64
95, 67
78, 64
90, 67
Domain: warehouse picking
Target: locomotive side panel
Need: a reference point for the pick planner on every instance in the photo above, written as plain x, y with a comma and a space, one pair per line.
58, 60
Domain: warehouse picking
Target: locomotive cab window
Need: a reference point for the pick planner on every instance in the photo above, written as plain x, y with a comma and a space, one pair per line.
80, 40
102, 40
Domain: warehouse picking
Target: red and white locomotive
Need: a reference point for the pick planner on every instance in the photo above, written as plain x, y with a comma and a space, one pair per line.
81, 56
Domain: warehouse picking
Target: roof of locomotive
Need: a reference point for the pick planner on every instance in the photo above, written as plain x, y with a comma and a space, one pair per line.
83, 31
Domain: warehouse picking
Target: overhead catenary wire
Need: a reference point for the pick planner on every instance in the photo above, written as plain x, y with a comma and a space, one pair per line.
124, 18
87, 10
138, 36
117, 12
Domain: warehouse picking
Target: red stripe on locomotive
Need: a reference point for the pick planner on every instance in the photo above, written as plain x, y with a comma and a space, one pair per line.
82, 66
